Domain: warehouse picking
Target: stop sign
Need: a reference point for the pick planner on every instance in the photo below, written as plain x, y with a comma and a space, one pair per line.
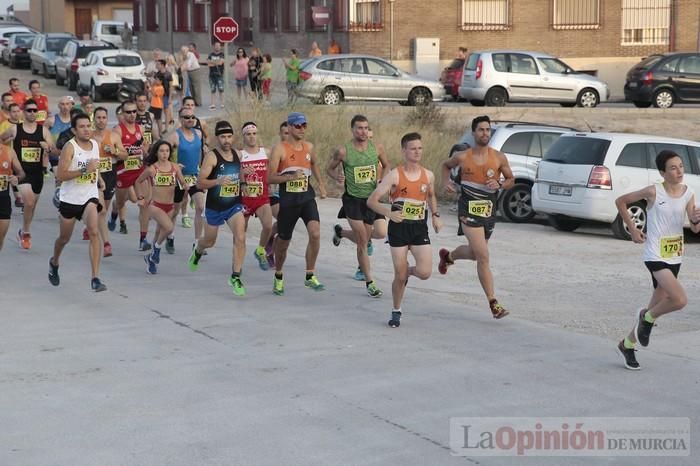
225, 29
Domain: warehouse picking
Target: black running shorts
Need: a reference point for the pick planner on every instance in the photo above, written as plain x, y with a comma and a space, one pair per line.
35, 179
356, 208
290, 214
655, 266
5, 205
408, 233
70, 211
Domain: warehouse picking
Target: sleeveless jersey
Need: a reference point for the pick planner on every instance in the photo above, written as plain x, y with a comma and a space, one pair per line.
133, 143
360, 169
256, 184
58, 127
107, 161
411, 197
665, 219
42, 105
189, 154
79, 190
165, 179
223, 197
28, 148
146, 123
296, 192
6, 169
476, 176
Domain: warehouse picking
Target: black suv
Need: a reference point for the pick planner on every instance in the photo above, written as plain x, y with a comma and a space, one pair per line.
72, 56
663, 80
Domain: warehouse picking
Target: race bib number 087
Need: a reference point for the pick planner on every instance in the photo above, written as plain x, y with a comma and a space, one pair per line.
480, 208
4, 182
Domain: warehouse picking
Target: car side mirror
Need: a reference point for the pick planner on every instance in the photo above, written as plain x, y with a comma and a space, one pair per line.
396, 74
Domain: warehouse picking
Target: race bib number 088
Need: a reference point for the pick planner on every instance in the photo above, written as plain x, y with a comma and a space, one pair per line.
298, 186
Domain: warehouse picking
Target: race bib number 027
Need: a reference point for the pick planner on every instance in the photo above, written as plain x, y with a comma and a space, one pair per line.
413, 210
480, 208
671, 246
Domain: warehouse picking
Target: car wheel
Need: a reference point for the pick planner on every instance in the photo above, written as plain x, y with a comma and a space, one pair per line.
496, 97
477, 103
563, 223
72, 82
638, 212
516, 203
45, 71
641, 104
95, 93
588, 98
568, 104
331, 96
664, 98
403, 103
419, 96
59, 80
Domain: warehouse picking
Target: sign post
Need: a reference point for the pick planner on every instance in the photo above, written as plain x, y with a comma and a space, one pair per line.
226, 31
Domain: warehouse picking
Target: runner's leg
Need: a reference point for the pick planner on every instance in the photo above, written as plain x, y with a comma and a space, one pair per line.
361, 233
30, 201
90, 217
399, 257
65, 232
313, 228
4, 226
237, 226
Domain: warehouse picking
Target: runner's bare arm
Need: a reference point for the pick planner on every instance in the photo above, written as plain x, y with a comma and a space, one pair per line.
205, 171
693, 215
16, 167
390, 180
173, 139
119, 149
648, 194
155, 131
64, 161
316, 170
506, 171
456, 160
432, 201
9, 134
145, 174
180, 177
332, 168
383, 159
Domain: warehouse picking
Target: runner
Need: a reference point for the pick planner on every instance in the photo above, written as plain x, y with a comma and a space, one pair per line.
411, 188
667, 205
220, 176
57, 124
360, 160
275, 204
10, 174
128, 171
256, 192
292, 163
15, 117
29, 140
18, 96
188, 103
146, 120
482, 167
41, 101
78, 171
7, 100
187, 141
164, 175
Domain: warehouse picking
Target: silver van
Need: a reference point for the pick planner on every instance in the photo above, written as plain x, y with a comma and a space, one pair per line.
494, 78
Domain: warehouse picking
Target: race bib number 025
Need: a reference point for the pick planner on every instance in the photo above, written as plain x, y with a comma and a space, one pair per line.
480, 208
671, 246
298, 186
365, 174
413, 210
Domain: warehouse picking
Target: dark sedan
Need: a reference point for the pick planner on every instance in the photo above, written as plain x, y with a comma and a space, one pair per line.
16, 54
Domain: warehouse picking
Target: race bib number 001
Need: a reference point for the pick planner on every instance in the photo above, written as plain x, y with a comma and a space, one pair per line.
105, 165
164, 179
230, 190
87, 178
4, 182
365, 174
190, 180
671, 246
31, 154
480, 208
298, 186
413, 210
132, 163
254, 189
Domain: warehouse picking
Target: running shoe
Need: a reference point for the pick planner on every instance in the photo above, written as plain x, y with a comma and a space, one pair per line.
628, 353
642, 329
186, 222
445, 261
193, 261
370, 248
53, 274
170, 245
150, 264
156, 255
278, 286
395, 319
24, 239
314, 284
337, 234
144, 245
373, 291
97, 285
359, 275
497, 310
122, 228
194, 245
86, 235
112, 223
270, 252
237, 285
260, 255
107, 250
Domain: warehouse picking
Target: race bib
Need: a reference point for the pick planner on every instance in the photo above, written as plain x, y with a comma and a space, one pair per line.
298, 186
31, 154
147, 137
164, 179
480, 208
413, 210
190, 180
132, 163
4, 182
366, 174
41, 115
105, 165
254, 189
87, 178
230, 190
671, 246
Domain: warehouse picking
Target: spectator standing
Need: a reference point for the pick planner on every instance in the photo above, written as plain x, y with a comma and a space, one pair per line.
166, 77
157, 93
292, 67
190, 67
334, 48
462, 53
152, 66
266, 76
254, 66
127, 36
240, 71
315, 50
193, 48
215, 62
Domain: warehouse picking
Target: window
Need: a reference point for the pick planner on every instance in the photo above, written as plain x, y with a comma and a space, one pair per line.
645, 22
500, 62
553, 65
472, 62
200, 17
310, 25
268, 15
243, 12
576, 14
522, 64
151, 7
518, 144
633, 155
343, 65
690, 64
56, 44
578, 150
679, 149
485, 14
671, 65
379, 68
122, 60
365, 15
290, 16
546, 141
181, 16
138, 14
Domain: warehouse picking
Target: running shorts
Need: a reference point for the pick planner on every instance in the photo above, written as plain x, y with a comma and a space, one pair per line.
289, 215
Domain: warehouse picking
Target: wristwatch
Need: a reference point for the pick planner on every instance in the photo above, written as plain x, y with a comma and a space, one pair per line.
83, 170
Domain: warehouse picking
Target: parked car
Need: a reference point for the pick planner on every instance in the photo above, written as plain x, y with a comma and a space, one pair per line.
330, 79
663, 80
7, 30
109, 31
103, 70
72, 57
495, 78
581, 175
16, 53
42, 54
451, 77
523, 144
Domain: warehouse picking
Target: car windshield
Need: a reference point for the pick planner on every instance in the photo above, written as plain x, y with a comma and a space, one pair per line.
456, 64
56, 44
575, 150
112, 29
649, 61
554, 65
24, 41
122, 60
83, 51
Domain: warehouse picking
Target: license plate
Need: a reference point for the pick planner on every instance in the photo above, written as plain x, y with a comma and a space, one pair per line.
559, 190
633, 85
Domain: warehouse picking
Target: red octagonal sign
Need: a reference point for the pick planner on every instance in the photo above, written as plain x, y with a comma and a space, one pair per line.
225, 29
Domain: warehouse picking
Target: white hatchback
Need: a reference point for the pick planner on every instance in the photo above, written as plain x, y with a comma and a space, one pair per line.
103, 71
582, 174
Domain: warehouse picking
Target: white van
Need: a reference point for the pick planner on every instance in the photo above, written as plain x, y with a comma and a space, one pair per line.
109, 31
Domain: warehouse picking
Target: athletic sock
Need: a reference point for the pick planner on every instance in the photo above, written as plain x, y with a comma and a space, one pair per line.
309, 274
278, 275
122, 222
368, 283
236, 275
115, 215
143, 235
629, 344
158, 245
648, 317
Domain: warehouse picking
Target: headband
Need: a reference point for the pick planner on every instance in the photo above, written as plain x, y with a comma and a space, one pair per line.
246, 128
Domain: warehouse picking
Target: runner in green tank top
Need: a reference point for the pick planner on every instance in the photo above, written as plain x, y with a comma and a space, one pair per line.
362, 161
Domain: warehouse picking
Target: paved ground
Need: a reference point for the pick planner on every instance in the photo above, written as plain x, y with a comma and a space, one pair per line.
173, 369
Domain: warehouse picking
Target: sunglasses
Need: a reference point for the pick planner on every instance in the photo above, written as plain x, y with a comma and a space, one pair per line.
188, 117
31, 110
129, 111
303, 125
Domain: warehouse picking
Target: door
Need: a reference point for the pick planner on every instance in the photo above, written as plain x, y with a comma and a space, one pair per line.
631, 171
688, 78
524, 80
83, 23
558, 82
384, 82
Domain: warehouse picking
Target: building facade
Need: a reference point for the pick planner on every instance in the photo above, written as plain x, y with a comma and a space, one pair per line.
76, 16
